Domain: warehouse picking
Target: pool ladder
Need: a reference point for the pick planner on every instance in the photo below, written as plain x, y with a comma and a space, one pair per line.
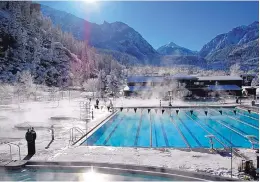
73, 136
252, 139
10, 150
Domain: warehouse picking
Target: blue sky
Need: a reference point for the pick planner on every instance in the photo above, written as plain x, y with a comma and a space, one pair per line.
188, 24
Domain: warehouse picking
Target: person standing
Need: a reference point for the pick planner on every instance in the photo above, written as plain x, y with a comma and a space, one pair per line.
29, 139
34, 138
97, 102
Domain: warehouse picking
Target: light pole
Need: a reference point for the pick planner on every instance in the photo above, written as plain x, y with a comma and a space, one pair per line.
231, 153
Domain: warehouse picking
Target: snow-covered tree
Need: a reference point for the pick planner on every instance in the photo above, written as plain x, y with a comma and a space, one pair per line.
92, 85
29, 41
235, 70
255, 81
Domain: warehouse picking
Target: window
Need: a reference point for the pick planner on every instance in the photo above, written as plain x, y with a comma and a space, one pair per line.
198, 83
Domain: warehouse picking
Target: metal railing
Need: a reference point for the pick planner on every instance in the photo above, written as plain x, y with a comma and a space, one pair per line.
10, 146
72, 136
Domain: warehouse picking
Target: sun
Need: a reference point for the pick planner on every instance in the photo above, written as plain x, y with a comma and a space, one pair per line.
92, 175
90, 1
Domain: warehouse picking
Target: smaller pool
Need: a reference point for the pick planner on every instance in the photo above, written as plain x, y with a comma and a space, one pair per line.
87, 174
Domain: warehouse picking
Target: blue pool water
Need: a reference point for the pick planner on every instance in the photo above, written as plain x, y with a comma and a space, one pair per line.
182, 130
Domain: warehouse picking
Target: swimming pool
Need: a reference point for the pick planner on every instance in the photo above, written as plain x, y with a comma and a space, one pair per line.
178, 129
64, 171
70, 174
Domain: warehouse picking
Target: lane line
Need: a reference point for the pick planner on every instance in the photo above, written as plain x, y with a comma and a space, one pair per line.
215, 130
183, 137
190, 132
164, 133
112, 132
208, 132
138, 130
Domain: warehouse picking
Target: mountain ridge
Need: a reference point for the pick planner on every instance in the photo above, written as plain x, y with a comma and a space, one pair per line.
237, 36
173, 49
116, 36
120, 40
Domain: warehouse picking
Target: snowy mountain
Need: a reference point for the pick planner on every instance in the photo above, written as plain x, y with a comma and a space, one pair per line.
128, 47
190, 60
247, 55
115, 36
237, 36
175, 50
240, 45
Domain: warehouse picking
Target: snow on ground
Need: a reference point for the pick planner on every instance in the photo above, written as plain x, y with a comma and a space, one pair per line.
66, 114
170, 158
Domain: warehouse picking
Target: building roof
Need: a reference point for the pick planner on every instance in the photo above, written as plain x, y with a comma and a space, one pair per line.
223, 87
180, 76
248, 74
250, 87
140, 79
219, 78
139, 88
126, 88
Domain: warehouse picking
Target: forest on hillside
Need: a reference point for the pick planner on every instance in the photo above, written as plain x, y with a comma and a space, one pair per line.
34, 50
30, 43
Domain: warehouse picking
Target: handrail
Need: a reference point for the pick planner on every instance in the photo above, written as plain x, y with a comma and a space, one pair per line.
19, 149
79, 130
72, 133
10, 149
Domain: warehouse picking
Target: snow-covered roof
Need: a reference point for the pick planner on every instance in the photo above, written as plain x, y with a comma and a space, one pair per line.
126, 88
245, 87
139, 88
223, 87
181, 76
145, 79
248, 74
219, 78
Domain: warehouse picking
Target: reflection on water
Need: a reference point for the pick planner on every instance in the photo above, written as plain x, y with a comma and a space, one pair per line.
76, 174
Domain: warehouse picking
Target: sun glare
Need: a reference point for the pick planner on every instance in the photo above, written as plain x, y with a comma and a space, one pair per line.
93, 176
90, 1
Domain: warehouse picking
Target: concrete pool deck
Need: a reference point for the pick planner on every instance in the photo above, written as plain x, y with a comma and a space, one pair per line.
37, 113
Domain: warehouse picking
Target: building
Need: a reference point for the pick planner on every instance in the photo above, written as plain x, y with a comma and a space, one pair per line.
184, 85
247, 79
250, 90
137, 85
217, 85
